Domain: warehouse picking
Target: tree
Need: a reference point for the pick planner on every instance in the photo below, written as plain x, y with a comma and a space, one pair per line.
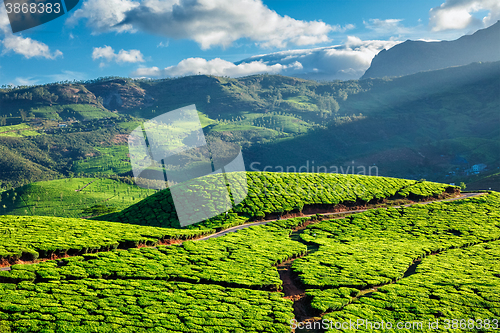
463, 186
23, 114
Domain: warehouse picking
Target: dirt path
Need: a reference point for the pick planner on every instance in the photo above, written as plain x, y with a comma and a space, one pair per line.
293, 291
81, 189
247, 225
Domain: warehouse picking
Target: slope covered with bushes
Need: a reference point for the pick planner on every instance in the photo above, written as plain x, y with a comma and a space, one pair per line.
275, 194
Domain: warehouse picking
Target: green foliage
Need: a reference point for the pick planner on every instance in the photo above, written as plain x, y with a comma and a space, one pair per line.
459, 289
20, 130
331, 299
138, 306
74, 111
377, 247
32, 237
245, 259
98, 210
71, 197
424, 189
271, 193
46, 157
111, 161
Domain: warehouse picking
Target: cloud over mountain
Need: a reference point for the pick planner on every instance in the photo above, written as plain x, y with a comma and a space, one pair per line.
457, 14
217, 66
208, 22
342, 62
107, 53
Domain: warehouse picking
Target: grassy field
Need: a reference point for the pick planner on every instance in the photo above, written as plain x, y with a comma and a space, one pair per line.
77, 111
60, 198
17, 131
112, 160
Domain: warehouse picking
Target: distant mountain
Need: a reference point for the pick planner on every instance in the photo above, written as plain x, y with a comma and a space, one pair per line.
416, 56
434, 124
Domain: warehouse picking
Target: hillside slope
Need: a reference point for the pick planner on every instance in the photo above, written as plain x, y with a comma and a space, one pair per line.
427, 125
417, 56
434, 125
271, 194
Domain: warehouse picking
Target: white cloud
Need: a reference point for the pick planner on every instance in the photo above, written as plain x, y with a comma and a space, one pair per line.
218, 67
103, 16
208, 22
347, 61
394, 29
27, 47
108, 54
24, 81
343, 62
105, 52
4, 20
457, 14
389, 26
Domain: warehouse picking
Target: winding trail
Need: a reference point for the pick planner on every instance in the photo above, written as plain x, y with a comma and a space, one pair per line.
81, 189
348, 212
343, 213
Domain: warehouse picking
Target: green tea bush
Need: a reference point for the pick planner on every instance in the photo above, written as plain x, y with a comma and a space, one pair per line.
138, 306
31, 237
246, 258
273, 193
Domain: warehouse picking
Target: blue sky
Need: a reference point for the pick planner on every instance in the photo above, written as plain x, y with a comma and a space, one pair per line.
318, 39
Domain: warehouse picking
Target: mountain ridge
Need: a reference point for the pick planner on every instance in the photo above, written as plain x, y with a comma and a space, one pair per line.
412, 57
416, 126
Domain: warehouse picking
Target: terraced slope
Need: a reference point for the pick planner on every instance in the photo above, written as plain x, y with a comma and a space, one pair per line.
423, 263
272, 194
31, 237
226, 284
71, 197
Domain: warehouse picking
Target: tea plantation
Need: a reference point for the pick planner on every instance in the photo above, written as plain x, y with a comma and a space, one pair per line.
31, 237
436, 261
454, 245
278, 193
72, 197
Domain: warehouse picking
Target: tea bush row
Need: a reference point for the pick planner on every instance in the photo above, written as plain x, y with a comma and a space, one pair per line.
267, 193
246, 259
31, 237
377, 247
136, 306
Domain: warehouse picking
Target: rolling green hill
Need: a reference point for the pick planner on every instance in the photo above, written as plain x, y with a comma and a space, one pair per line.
434, 263
273, 194
434, 125
71, 197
